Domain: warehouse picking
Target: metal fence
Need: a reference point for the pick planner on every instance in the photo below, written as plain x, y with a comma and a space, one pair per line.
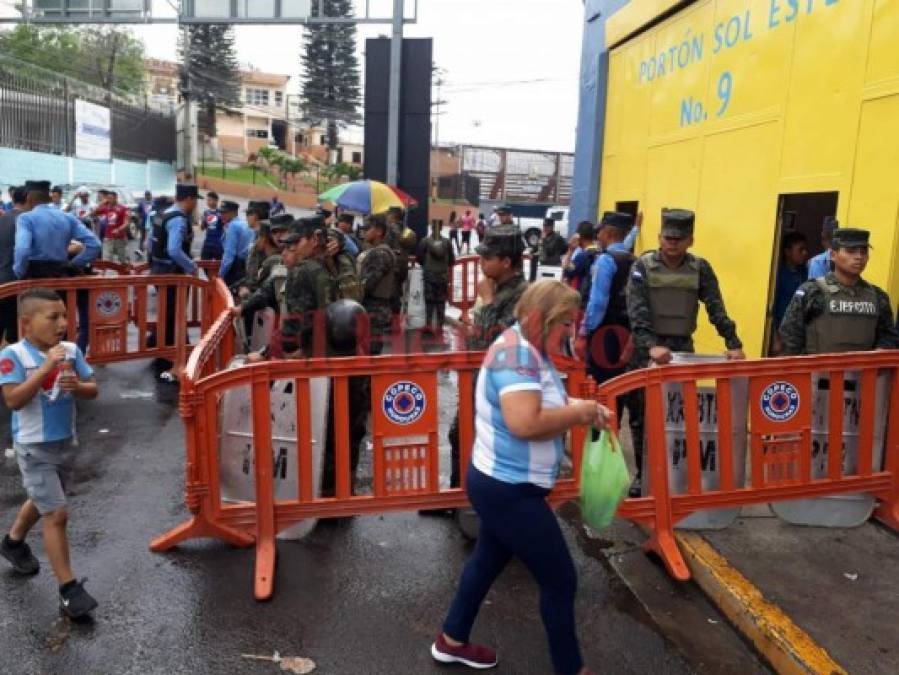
37, 113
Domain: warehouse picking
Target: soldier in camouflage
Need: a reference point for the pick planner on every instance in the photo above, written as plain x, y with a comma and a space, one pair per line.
663, 295
377, 276
498, 293
342, 266
404, 243
435, 253
840, 312
298, 245
268, 241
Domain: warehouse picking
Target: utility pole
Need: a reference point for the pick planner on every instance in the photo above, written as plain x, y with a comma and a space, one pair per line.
186, 93
393, 105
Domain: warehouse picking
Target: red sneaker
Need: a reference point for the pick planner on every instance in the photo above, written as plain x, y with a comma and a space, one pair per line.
473, 656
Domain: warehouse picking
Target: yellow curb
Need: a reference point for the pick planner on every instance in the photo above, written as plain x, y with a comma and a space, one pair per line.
788, 648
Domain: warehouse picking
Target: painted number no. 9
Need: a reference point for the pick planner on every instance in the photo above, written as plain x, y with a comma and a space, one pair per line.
725, 90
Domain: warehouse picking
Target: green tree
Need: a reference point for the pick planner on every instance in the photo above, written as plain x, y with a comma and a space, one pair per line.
110, 57
331, 89
209, 70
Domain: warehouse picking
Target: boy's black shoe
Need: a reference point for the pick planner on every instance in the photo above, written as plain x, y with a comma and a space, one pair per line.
20, 556
74, 601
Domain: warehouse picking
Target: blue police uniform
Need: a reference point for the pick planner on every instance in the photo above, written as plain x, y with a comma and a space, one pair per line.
172, 236
819, 266
212, 243
43, 236
239, 237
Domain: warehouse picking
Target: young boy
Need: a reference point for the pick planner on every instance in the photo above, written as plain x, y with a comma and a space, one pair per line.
41, 377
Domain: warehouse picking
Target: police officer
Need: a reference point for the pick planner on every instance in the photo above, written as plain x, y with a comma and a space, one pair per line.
501, 262
236, 244
820, 264
354, 245
435, 253
663, 295
377, 275
212, 225
170, 253
42, 243
840, 312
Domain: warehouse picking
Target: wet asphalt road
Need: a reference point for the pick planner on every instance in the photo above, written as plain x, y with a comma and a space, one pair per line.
365, 595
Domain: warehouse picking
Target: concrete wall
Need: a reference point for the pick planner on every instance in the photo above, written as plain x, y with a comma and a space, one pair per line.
17, 166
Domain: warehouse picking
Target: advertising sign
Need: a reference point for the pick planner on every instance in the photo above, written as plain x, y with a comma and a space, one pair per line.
93, 131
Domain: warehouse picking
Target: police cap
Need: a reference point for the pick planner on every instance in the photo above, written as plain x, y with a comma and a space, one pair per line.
850, 237
677, 223
37, 186
621, 221
186, 191
502, 241
229, 207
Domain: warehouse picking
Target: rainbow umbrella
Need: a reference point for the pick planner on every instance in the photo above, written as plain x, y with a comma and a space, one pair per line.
367, 196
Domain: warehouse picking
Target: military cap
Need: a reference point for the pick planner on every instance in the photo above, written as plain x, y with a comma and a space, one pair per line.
261, 209
281, 222
503, 210
300, 229
503, 241
622, 221
229, 207
37, 186
850, 237
338, 236
830, 225
186, 191
677, 223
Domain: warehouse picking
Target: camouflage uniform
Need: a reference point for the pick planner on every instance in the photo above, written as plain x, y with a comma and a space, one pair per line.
663, 305
377, 276
490, 320
255, 260
867, 323
435, 253
310, 289
403, 242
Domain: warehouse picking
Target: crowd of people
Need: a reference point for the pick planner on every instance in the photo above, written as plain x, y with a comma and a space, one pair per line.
616, 310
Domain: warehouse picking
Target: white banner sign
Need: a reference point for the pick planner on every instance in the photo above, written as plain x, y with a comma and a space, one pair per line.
93, 132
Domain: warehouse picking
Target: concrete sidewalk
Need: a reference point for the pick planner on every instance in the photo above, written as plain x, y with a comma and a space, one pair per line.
839, 586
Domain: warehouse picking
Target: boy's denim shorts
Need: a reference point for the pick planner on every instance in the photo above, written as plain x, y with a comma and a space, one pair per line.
46, 472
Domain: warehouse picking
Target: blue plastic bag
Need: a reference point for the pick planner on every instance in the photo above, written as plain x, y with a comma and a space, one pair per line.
605, 479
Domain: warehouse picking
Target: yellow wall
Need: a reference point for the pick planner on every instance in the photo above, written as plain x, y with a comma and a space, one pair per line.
813, 107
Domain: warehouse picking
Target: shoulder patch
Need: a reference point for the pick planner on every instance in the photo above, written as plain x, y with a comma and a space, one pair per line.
7, 366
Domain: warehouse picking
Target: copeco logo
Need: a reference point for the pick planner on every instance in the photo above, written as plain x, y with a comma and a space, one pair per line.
780, 401
109, 303
404, 402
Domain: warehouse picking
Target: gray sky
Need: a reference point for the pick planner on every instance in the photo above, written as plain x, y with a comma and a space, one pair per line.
512, 65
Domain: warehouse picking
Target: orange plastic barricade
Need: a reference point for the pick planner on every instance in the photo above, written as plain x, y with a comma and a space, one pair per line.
122, 316
781, 449
463, 282
405, 438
